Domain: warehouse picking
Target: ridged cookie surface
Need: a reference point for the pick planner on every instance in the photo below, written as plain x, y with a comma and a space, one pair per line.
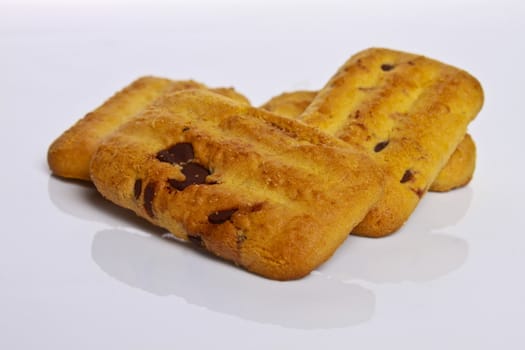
266, 192
69, 155
408, 112
457, 172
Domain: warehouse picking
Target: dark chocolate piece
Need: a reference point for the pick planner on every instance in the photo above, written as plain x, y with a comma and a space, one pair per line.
149, 195
407, 176
381, 145
197, 240
178, 154
418, 191
195, 175
137, 188
221, 216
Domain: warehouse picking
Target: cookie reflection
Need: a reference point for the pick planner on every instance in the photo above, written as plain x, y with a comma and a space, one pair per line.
420, 251
164, 268
81, 199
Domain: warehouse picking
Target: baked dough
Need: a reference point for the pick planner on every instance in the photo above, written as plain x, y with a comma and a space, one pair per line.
266, 192
457, 172
69, 155
408, 112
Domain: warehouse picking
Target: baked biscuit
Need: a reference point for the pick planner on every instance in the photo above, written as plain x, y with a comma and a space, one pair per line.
69, 155
408, 112
456, 173
459, 169
266, 192
290, 104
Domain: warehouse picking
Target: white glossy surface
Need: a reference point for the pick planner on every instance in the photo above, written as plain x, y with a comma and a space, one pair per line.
78, 273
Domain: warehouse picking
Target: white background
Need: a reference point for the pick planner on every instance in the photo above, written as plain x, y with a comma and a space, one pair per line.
78, 273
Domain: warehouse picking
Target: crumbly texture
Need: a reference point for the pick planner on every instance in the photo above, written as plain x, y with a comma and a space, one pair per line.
457, 172
408, 112
69, 155
266, 192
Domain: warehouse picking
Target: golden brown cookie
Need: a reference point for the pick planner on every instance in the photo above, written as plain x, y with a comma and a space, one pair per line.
266, 192
408, 112
69, 155
456, 173
459, 169
290, 104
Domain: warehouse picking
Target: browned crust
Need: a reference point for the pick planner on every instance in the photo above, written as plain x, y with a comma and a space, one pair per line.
457, 172
290, 194
69, 155
459, 169
422, 107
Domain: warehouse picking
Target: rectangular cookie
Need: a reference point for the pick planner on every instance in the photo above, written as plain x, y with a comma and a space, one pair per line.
263, 191
69, 155
408, 112
457, 172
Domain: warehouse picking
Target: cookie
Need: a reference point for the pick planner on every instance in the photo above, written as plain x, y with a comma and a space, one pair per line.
408, 112
265, 192
459, 169
69, 155
290, 104
457, 172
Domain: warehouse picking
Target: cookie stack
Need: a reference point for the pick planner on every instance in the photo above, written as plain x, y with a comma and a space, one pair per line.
277, 189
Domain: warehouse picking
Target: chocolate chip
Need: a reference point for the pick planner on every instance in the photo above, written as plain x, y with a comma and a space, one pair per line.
195, 175
195, 172
197, 240
149, 194
386, 67
418, 191
177, 154
221, 216
137, 188
381, 145
407, 176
